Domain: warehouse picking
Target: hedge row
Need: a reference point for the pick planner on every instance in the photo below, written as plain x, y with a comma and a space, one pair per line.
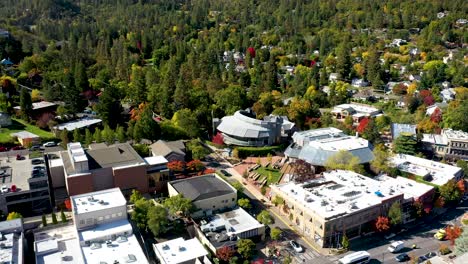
244, 152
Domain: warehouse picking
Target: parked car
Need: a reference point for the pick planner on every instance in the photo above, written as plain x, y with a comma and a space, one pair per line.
49, 144
5, 189
225, 173
396, 246
17, 148
37, 161
19, 157
427, 256
296, 246
402, 257
35, 148
3, 149
440, 235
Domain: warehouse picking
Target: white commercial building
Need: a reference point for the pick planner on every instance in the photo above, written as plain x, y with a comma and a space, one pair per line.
12, 242
101, 233
450, 144
178, 250
356, 111
431, 171
316, 146
343, 201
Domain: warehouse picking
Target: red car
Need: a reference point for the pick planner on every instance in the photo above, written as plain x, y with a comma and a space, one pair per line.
17, 148
3, 149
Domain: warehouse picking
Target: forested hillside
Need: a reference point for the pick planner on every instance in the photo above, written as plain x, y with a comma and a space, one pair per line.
187, 57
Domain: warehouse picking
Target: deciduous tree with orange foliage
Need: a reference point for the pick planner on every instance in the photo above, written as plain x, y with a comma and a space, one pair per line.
176, 165
452, 233
382, 224
195, 165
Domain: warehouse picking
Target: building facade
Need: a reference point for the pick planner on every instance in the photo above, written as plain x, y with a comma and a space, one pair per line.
356, 111
449, 145
342, 201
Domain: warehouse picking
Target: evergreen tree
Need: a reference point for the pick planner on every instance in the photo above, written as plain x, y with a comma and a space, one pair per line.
405, 144
54, 218
88, 137
97, 135
63, 217
146, 127
343, 61
73, 98
121, 137
108, 135
25, 104
81, 78
109, 107
44, 220
77, 137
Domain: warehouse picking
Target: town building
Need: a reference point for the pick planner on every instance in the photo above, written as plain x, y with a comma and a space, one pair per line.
25, 186
449, 145
26, 138
208, 193
170, 150
39, 109
181, 251
334, 77
12, 242
100, 233
243, 129
437, 106
226, 228
98, 168
343, 201
430, 171
316, 146
359, 82
356, 111
82, 123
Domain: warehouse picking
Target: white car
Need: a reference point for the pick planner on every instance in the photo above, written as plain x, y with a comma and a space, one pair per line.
49, 144
5, 189
396, 246
296, 246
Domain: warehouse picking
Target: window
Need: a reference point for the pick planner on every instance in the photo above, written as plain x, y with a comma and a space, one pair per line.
119, 214
82, 222
214, 206
114, 215
100, 219
107, 217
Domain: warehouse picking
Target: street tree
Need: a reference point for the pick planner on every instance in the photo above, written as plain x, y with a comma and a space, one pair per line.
245, 247
265, 218
244, 203
275, 233
225, 253
394, 213
345, 241
450, 191
14, 215
452, 232
382, 224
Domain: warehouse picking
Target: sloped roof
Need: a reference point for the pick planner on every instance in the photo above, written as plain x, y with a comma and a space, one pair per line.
164, 148
202, 187
318, 157
243, 126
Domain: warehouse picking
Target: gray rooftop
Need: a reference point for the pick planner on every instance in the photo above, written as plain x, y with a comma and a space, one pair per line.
202, 187
164, 148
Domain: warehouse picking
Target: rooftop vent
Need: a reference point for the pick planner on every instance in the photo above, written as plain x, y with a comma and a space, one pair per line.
166, 247
181, 249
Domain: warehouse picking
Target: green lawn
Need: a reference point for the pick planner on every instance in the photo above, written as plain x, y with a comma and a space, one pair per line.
20, 125
266, 172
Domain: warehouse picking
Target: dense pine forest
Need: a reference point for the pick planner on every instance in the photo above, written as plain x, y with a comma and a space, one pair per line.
188, 61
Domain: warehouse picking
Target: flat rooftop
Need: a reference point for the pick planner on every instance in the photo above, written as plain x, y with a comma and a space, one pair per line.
179, 250
12, 251
339, 192
124, 249
58, 245
38, 105
360, 108
101, 231
95, 201
431, 171
456, 134
202, 187
17, 172
156, 160
79, 123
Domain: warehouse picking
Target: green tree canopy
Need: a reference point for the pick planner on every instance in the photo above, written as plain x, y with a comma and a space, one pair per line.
244, 203
109, 107
231, 99
405, 144
157, 220
140, 213
450, 191
14, 215
179, 205
275, 233
344, 160
245, 247
265, 218
395, 214
25, 104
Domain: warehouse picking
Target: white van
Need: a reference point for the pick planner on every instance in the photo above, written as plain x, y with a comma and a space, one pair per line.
360, 257
396, 246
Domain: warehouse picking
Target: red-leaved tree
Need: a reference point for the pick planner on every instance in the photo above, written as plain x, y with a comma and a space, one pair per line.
461, 186
436, 116
218, 139
452, 233
67, 203
382, 224
362, 125
225, 253
176, 165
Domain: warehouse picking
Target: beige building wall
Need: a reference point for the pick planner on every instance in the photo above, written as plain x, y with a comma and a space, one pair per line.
217, 203
85, 220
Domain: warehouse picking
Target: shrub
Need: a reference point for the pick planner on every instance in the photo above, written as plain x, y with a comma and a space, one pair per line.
263, 190
444, 250
244, 152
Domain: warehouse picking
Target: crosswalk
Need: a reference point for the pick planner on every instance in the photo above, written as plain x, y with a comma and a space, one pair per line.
306, 257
